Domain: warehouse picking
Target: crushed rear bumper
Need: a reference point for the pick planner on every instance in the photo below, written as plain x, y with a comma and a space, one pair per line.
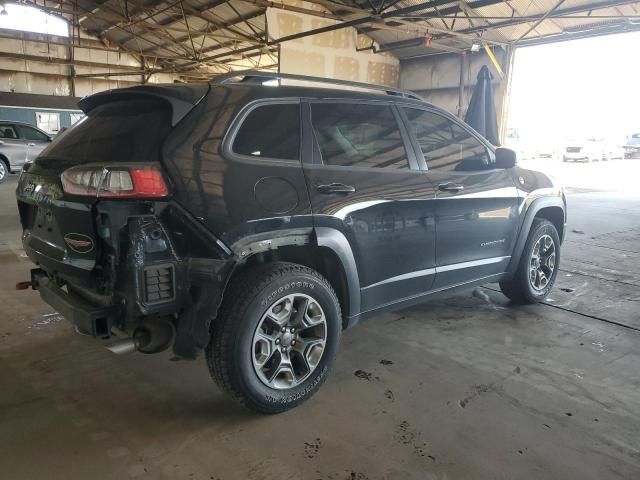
158, 265
90, 319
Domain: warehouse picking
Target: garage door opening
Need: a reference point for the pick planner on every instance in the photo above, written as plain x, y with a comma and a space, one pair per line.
576, 103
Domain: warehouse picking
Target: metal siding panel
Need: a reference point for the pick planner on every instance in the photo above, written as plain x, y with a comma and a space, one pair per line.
65, 119
25, 115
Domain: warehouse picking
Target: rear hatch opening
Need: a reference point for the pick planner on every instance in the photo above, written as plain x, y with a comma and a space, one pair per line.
114, 249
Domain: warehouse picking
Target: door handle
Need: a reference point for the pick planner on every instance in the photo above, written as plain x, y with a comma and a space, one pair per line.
450, 187
31, 144
336, 188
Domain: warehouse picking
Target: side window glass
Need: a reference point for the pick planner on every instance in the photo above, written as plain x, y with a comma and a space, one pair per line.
271, 131
445, 144
7, 131
356, 135
29, 133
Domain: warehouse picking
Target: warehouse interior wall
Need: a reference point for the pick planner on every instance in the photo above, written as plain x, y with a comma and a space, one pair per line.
437, 78
39, 63
333, 54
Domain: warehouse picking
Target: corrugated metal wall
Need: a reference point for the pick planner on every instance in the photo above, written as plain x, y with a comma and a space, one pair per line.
38, 63
437, 78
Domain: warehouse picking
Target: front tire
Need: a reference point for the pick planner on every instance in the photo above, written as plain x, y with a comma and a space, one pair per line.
275, 337
538, 267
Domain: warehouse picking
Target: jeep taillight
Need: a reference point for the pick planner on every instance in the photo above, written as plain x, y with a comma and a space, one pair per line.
115, 181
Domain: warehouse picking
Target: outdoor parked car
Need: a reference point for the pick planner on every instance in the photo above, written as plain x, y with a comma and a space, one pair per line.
513, 141
613, 150
19, 143
632, 147
257, 222
589, 150
548, 149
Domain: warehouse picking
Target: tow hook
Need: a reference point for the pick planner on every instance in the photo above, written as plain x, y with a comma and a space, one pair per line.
24, 285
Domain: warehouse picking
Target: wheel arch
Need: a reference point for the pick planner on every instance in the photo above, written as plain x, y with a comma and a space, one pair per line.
548, 208
6, 162
327, 252
555, 214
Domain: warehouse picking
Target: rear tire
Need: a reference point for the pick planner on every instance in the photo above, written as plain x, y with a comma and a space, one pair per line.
4, 170
275, 337
538, 267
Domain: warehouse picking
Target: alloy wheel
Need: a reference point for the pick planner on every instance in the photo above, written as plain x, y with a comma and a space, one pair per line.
289, 341
3, 170
542, 263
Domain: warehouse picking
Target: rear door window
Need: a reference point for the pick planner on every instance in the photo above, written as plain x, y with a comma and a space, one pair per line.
445, 144
270, 131
28, 133
358, 135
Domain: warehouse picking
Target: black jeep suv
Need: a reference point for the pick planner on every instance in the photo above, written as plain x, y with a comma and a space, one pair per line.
256, 222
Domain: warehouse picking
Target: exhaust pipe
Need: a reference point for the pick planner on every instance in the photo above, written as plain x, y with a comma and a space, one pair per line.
151, 337
122, 347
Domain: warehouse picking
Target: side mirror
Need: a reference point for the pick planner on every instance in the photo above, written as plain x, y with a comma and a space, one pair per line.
505, 158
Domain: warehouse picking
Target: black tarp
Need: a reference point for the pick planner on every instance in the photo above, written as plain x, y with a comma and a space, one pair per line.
481, 114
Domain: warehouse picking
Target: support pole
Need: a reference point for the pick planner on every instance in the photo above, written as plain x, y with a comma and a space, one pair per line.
71, 55
463, 57
506, 99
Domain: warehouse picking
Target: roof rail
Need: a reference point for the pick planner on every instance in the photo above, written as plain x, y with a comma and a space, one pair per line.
257, 77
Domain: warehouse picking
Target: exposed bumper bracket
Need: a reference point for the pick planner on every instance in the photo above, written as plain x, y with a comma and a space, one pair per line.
90, 319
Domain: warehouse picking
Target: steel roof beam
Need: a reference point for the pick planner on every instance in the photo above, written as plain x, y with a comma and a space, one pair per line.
199, 33
557, 14
566, 36
540, 20
512, 22
346, 24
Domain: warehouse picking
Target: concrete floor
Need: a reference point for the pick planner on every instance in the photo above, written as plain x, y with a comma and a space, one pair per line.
463, 388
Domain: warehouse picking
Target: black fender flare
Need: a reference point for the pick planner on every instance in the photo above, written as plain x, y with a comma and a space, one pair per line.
533, 209
325, 237
338, 243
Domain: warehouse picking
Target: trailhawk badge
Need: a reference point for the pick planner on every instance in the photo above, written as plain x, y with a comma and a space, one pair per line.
78, 242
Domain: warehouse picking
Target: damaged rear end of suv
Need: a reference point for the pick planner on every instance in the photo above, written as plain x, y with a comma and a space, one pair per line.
116, 254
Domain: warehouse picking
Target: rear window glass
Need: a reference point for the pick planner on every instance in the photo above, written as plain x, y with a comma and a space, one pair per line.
271, 131
119, 131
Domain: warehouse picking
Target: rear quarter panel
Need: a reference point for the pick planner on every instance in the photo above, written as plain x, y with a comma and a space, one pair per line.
220, 192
